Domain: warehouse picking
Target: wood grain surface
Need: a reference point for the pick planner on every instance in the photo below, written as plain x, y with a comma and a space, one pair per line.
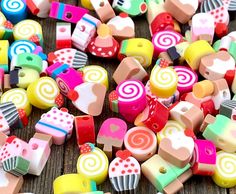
63, 158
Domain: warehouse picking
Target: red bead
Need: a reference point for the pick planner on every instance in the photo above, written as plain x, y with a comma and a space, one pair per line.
229, 77
221, 30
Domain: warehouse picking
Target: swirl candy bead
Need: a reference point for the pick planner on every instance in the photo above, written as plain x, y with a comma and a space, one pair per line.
19, 97
141, 142
163, 81
186, 79
93, 163
225, 173
43, 92
163, 40
73, 183
27, 29
14, 10
131, 99
96, 74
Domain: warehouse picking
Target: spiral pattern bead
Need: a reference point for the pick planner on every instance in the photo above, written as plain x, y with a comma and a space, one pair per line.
93, 165
141, 142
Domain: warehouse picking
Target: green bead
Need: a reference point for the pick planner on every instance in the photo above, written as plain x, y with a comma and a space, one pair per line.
31, 61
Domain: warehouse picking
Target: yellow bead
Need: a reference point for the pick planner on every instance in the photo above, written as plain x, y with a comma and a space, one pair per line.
225, 173
95, 74
4, 45
43, 92
19, 97
93, 165
73, 183
2, 19
163, 81
196, 51
87, 4
139, 48
26, 77
203, 89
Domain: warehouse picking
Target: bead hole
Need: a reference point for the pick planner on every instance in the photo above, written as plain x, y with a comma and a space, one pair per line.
35, 146
29, 58
208, 151
184, 109
68, 15
21, 74
162, 170
101, 4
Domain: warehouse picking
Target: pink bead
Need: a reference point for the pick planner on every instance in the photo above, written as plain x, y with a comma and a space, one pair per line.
1, 81
68, 80
131, 99
65, 12
204, 157
165, 39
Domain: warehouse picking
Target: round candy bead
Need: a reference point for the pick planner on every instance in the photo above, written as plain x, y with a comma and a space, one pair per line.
19, 97
73, 183
186, 79
21, 46
43, 92
95, 73
141, 142
196, 51
170, 128
93, 164
165, 39
27, 29
14, 10
163, 81
26, 77
225, 173
203, 89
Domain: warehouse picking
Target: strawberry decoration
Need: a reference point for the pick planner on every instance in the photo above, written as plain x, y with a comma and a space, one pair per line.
123, 154
8, 25
23, 117
35, 39
59, 101
86, 148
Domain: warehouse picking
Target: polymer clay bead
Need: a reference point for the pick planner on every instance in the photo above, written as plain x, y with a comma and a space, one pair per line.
216, 65
43, 92
68, 79
104, 45
21, 46
73, 183
4, 46
57, 123
176, 149
95, 74
84, 31
164, 176
163, 81
124, 172
111, 135
225, 173
203, 89
220, 130
187, 114
10, 183
181, 10
131, 99
1, 81
139, 48
203, 27
171, 128
163, 40
88, 97
63, 35
6, 30
130, 7
203, 161
141, 142
129, 68
85, 129
66, 12
87, 4
227, 108
27, 29
19, 97
154, 8
122, 27
14, 10
93, 163
186, 79
103, 9
196, 51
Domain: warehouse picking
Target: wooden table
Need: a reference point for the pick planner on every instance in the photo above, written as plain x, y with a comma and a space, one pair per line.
63, 158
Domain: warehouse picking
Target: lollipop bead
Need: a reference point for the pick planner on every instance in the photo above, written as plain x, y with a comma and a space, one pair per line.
85, 129
93, 163
4, 46
66, 12
14, 10
73, 183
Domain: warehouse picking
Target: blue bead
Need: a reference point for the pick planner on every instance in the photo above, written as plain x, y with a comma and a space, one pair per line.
14, 10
